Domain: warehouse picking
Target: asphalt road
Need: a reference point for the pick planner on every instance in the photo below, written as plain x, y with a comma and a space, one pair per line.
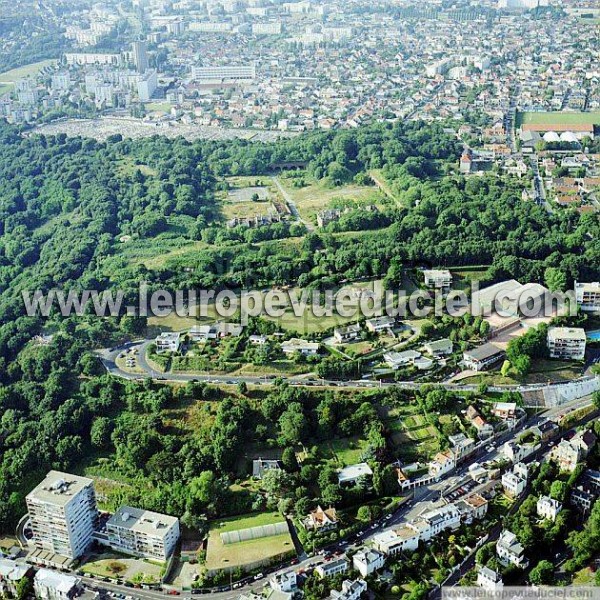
109, 356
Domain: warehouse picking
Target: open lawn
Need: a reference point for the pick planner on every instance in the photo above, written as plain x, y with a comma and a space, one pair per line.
251, 553
346, 451
566, 118
117, 565
9, 77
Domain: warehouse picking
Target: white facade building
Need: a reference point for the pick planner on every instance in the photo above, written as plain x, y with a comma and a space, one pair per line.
217, 74
548, 508
566, 343
441, 279
510, 551
587, 296
489, 579
143, 533
169, 341
63, 514
50, 585
368, 561
351, 590
147, 84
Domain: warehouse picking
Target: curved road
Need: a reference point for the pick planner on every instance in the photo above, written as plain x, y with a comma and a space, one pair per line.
109, 356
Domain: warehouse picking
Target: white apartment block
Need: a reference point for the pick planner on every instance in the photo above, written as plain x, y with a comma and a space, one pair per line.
143, 533
147, 84
368, 561
587, 296
226, 72
510, 551
49, 585
566, 343
63, 514
548, 508
81, 58
284, 582
438, 278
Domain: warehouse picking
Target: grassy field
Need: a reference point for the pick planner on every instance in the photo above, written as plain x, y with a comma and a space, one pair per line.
346, 451
164, 107
566, 118
8, 78
230, 556
116, 565
316, 197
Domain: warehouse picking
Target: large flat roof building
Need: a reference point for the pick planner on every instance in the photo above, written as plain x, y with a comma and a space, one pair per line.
142, 533
63, 514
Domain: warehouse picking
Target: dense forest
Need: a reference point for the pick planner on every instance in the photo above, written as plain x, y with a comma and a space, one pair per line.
66, 204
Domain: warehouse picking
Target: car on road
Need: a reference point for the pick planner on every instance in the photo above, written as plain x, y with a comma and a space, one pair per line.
173, 593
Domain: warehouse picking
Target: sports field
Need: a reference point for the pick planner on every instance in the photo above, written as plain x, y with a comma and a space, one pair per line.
249, 554
563, 118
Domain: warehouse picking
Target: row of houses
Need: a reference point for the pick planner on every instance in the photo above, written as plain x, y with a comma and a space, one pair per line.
406, 537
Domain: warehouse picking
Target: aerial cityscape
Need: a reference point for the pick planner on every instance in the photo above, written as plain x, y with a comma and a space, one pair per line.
299, 299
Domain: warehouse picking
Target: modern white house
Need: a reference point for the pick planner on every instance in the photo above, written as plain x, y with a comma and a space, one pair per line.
143, 533
63, 514
438, 278
510, 551
285, 582
50, 585
168, 341
368, 561
380, 324
548, 508
395, 360
566, 343
393, 541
